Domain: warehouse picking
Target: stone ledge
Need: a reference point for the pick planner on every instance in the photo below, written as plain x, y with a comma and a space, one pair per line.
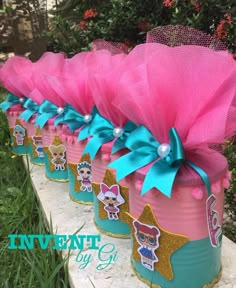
68, 216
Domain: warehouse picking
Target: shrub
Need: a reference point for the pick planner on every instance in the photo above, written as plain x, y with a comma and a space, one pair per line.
76, 23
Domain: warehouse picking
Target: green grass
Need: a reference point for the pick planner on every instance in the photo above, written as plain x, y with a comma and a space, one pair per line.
20, 214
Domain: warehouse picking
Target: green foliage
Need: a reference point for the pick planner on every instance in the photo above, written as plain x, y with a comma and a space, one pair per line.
127, 21
115, 20
208, 18
20, 214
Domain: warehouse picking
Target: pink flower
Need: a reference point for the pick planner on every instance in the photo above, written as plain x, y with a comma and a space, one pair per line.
197, 7
90, 13
221, 27
228, 18
168, 3
83, 25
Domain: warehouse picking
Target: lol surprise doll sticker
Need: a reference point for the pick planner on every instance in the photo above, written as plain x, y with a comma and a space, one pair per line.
147, 236
111, 198
213, 222
37, 140
58, 156
85, 176
19, 134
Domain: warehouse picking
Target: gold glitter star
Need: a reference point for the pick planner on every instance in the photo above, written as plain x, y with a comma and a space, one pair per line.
74, 170
56, 141
168, 242
109, 179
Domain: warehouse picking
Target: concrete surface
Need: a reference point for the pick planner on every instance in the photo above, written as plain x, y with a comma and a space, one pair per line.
68, 216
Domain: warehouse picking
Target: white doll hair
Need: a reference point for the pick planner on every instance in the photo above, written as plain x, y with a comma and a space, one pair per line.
101, 196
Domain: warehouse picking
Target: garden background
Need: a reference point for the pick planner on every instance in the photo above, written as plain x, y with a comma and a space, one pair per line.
31, 27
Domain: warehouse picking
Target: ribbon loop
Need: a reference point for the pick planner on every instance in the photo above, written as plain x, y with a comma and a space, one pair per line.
10, 101
47, 110
70, 117
31, 108
164, 166
102, 131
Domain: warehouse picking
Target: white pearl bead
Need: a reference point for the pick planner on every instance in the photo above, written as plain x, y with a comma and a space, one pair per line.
163, 150
87, 118
22, 99
118, 132
60, 110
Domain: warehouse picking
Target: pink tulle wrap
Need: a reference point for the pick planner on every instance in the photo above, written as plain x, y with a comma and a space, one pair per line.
191, 88
103, 87
49, 64
15, 76
72, 85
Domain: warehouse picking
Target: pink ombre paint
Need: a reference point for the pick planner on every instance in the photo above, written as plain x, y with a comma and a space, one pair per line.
101, 161
182, 213
49, 132
74, 148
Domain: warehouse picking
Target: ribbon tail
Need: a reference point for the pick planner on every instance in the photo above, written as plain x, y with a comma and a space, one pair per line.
202, 174
59, 120
84, 133
95, 143
130, 162
118, 145
5, 105
160, 176
26, 115
43, 118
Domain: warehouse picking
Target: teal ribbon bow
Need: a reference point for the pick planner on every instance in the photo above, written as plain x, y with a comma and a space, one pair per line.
72, 118
47, 110
10, 101
162, 173
102, 131
31, 108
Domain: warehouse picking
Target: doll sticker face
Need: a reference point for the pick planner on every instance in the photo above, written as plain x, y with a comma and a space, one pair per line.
58, 156
111, 198
37, 140
19, 134
147, 236
85, 176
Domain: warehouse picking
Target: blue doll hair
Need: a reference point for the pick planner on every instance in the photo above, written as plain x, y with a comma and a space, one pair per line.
83, 164
19, 128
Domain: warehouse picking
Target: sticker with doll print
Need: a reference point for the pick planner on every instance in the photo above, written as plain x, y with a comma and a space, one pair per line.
82, 174
148, 238
85, 176
153, 245
58, 156
19, 134
111, 198
38, 143
213, 221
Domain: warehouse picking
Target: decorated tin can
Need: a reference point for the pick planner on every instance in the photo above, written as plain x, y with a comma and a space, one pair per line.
177, 241
79, 167
18, 131
54, 153
35, 142
111, 199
